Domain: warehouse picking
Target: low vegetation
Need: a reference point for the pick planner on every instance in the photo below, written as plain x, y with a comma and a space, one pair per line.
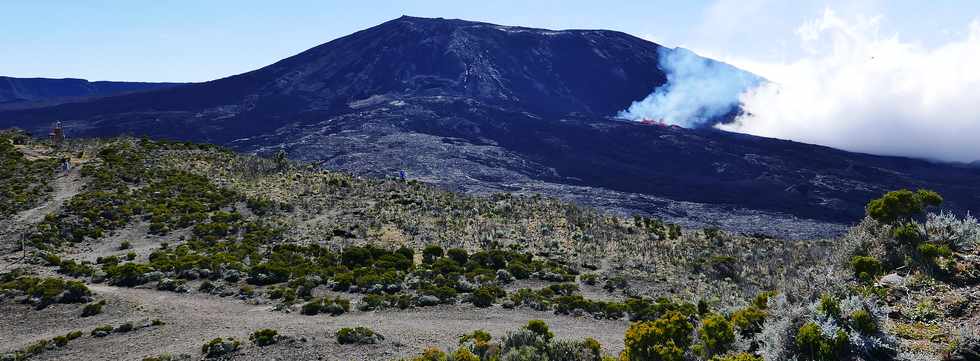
24, 182
897, 286
357, 335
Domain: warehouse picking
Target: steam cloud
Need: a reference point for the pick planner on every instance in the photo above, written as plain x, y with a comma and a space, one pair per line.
864, 93
698, 91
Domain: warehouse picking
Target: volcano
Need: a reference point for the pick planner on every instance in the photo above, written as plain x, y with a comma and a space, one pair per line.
484, 108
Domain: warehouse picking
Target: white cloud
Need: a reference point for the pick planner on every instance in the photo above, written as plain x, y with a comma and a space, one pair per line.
859, 91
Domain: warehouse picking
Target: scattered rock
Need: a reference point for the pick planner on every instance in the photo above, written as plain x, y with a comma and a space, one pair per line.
552, 277
190, 274
891, 280
99, 276
503, 276
231, 275
465, 286
153, 276
167, 284
428, 300
376, 289
968, 350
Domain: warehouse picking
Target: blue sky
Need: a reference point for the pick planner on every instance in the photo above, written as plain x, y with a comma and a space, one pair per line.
201, 40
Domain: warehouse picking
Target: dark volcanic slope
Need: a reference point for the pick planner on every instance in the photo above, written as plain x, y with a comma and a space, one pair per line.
481, 107
24, 93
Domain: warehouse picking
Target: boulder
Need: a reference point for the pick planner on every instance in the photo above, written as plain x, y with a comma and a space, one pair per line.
191, 274
231, 275
153, 276
428, 300
891, 280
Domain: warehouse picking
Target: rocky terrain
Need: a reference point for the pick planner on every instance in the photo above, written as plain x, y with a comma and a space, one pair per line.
148, 250
484, 108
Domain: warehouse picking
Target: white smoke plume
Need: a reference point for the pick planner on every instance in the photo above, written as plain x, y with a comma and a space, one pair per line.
697, 92
861, 92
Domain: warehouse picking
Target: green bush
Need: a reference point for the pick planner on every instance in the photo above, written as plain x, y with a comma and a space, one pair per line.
483, 297
813, 345
219, 347
458, 255
263, 337
866, 268
540, 328
333, 306
101, 329
902, 205
931, 251
357, 335
49, 290
430, 253
664, 339
93, 309
123, 328
748, 320
716, 334
863, 322
829, 306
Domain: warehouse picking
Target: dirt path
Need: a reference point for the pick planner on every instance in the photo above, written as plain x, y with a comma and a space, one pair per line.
194, 318
12, 230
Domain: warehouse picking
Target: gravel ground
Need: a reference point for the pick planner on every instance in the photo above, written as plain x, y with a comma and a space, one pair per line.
192, 319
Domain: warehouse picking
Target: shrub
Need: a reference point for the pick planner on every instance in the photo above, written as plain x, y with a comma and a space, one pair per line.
902, 205
101, 330
458, 255
907, 234
588, 279
432, 354
540, 328
866, 268
813, 345
219, 347
357, 335
862, 321
124, 245
716, 334
829, 306
431, 253
931, 251
664, 339
93, 309
463, 354
748, 320
519, 270
264, 337
484, 297
125, 327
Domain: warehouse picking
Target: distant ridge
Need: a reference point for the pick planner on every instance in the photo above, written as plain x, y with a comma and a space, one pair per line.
23, 93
